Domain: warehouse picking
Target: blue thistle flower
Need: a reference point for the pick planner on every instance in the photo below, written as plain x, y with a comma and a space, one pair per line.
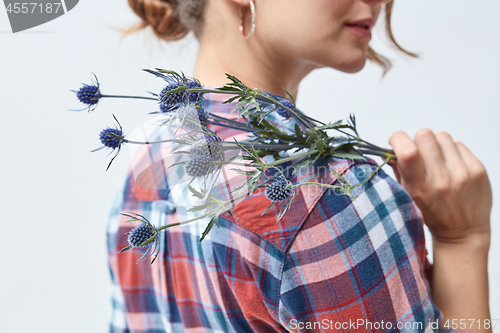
214, 144
139, 235
284, 112
191, 116
199, 162
275, 191
163, 108
174, 100
89, 94
112, 138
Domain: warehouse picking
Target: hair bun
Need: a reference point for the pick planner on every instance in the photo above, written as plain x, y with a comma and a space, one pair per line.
163, 17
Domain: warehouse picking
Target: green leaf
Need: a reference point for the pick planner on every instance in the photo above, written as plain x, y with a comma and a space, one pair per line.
243, 172
350, 156
290, 95
320, 146
298, 131
171, 165
268, 208
207, 229
168, 71
231, 99
126, 248
195, 193
200, 207
330, 125
312, 133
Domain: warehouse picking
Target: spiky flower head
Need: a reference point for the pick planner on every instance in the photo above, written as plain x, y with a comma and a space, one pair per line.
170, 101
276, 191
139, 235
192, 117
214, 145
199, 162
284, 112
111, 137
89, 94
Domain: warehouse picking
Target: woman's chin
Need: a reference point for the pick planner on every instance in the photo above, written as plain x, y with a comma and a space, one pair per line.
352, 65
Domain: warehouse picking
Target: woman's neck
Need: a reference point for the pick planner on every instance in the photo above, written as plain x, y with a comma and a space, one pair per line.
255, 69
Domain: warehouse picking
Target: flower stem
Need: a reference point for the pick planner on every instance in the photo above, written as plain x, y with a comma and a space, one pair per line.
314, 183
246, 129
135, 97
291, 158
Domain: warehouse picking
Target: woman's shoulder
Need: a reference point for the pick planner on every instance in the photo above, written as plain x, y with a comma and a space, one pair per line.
248, 213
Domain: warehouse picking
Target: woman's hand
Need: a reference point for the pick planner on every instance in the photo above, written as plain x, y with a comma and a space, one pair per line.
451, 188
447, 182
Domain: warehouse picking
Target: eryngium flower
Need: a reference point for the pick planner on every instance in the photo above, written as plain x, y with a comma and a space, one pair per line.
140, 234
173, 100
111, 137
199, 162
214, 144
191, 116
89, 94
275, 191
284, 112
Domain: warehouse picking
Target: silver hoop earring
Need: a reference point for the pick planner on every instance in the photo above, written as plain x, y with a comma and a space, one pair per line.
252, 8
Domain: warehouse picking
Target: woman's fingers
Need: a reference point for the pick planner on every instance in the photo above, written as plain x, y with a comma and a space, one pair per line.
433, 157
410, 165
474, 166
453, 158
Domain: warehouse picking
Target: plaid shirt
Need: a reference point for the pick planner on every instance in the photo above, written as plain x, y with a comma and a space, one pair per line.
330, 264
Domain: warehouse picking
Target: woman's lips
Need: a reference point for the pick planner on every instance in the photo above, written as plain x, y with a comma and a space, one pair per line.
361, 31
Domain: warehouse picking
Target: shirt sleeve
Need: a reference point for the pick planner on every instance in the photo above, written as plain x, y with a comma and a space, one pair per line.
359, 265
117, 321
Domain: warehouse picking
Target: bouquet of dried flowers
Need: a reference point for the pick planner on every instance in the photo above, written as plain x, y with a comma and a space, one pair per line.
180, 104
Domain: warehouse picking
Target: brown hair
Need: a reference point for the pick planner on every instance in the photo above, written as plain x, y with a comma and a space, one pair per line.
172, 20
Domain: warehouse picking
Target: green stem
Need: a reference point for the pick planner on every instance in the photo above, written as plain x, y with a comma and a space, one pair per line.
373, 173
291, 158
135, 97
314, 183
147, 142
235, 163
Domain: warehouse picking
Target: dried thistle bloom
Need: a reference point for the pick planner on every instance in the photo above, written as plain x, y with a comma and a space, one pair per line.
111, 137
89, 94
139, 235
199, 162
284, 112
191, 117
168, 102
276, 191
214, 144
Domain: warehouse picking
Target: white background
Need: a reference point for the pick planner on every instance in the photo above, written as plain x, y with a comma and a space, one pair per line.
55, 195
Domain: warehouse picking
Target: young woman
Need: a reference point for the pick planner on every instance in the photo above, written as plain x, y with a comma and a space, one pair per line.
332, 263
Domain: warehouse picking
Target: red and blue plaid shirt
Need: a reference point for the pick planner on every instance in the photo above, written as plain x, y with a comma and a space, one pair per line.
330, 264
